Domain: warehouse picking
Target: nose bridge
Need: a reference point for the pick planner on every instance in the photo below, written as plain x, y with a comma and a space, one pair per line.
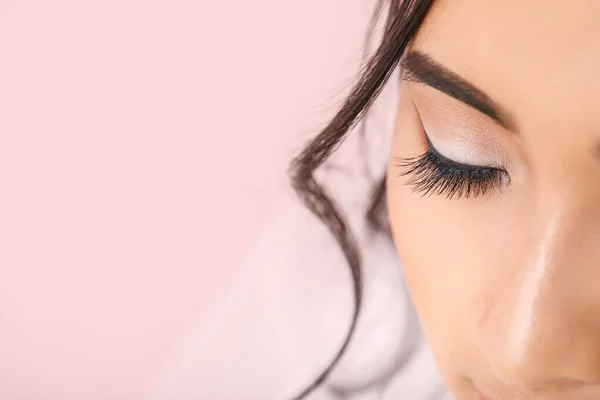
545, 320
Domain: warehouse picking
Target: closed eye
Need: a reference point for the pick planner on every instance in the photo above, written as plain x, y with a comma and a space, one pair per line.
435, 174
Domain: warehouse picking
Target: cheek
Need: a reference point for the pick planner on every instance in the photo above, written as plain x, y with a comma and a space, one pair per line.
438, 270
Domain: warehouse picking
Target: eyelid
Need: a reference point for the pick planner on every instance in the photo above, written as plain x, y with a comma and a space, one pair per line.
471, 137
450, 162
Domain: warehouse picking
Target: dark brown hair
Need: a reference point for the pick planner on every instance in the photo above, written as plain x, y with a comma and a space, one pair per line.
403, 20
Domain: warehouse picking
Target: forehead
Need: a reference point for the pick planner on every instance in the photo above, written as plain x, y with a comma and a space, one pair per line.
536, 57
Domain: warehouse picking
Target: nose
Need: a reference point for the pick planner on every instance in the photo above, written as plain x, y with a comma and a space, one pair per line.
541, 326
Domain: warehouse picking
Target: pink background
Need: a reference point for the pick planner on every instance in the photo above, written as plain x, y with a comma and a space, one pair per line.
141, 145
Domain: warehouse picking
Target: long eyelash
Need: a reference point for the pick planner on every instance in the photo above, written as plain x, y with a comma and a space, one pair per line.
431, 173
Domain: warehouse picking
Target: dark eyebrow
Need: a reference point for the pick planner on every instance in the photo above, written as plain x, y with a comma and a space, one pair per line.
419, 67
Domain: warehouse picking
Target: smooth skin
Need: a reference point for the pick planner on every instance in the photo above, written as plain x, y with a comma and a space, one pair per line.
507, 284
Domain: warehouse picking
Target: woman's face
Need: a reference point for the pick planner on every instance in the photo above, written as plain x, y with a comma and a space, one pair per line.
505, 274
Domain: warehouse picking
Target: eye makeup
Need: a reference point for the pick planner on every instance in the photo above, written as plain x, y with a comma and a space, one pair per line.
432, 173
459, 133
